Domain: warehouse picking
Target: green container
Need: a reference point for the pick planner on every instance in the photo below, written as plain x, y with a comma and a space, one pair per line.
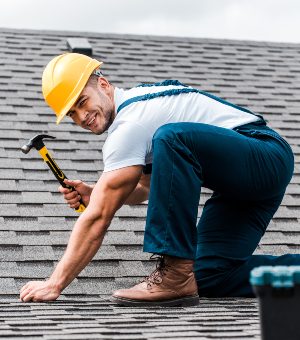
278, 292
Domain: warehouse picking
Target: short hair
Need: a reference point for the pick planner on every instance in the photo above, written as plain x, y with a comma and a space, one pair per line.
92, 81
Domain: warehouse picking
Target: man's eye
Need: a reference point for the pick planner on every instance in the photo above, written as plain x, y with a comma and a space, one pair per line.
82, 102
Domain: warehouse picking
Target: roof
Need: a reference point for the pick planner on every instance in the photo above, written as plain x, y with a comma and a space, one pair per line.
35, 223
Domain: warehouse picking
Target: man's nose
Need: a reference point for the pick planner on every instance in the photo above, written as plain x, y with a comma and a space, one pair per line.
82, 114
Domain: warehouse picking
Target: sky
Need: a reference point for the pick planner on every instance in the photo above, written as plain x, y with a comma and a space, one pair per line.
261, 20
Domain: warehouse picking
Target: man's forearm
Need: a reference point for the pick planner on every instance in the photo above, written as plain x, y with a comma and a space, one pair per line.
85, 240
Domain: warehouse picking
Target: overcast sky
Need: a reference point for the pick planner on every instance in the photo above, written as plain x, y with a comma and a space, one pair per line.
269, 20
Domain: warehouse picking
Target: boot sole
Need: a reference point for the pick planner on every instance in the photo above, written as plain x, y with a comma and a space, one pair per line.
186, 301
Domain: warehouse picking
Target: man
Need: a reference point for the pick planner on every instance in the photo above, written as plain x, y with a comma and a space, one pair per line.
183, 139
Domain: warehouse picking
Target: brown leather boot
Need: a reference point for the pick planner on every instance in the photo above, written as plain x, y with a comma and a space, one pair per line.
171, 284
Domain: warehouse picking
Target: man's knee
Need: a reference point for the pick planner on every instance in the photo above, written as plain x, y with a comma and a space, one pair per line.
166, 132
187, 132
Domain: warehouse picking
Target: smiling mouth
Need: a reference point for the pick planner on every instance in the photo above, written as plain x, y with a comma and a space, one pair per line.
92, 121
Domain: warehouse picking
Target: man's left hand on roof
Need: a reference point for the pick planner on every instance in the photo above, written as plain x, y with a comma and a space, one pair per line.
36, 291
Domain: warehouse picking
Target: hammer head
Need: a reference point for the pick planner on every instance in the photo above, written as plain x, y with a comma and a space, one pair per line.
35, 142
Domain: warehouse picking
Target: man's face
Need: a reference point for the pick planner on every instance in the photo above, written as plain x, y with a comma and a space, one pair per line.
94, 109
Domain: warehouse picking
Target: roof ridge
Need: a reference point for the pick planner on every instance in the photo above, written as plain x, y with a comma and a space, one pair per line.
159, 38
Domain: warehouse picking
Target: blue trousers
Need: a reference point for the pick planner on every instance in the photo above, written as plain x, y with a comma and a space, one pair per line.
248, 169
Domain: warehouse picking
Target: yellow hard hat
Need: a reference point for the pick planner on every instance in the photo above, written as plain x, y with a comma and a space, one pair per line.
63, 80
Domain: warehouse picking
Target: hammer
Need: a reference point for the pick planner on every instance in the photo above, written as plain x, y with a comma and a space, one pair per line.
37, 143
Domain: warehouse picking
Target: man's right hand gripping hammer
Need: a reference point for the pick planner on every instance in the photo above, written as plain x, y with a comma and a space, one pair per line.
81, 193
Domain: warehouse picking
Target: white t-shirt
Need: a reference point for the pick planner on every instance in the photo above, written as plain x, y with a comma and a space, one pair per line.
129, 140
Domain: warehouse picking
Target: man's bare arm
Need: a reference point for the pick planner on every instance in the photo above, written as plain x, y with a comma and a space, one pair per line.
108, 195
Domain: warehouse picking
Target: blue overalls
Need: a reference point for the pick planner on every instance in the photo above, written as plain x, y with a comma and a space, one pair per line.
248, 169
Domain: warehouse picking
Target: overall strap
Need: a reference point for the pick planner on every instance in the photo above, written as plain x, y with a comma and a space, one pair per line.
172, 92
164, 83
154, 95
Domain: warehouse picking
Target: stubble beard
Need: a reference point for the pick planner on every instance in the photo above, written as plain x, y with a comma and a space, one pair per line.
109, 118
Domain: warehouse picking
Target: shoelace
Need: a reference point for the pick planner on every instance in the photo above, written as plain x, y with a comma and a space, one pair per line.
156, 276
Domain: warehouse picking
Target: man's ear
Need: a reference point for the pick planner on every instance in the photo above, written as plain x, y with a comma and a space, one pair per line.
103, 83
105, 86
